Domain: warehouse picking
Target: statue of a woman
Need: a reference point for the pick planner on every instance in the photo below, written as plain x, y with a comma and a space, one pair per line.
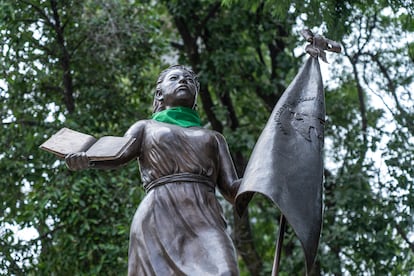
178, 228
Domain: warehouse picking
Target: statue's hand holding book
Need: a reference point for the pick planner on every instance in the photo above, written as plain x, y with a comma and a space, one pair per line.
79, 149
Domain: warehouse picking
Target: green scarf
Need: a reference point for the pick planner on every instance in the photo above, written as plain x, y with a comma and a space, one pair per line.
181, 116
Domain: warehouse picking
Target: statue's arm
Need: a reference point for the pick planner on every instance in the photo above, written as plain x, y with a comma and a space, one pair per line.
228, 181
79, 160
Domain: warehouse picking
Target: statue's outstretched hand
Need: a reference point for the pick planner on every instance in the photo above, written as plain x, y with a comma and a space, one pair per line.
77, 161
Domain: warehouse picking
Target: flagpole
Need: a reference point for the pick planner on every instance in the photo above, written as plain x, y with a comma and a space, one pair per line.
282, 226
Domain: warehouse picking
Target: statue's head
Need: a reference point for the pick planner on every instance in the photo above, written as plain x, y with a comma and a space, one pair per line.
176, 86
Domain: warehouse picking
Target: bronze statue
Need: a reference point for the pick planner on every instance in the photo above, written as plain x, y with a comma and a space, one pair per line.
178, 228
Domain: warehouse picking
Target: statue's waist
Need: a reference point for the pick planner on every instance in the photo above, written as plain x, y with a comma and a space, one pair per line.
180, 177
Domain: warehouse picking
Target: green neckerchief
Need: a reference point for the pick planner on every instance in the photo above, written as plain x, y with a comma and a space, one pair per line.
181, 116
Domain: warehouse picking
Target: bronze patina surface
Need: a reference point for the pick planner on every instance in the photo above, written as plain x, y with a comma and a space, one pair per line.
178, 228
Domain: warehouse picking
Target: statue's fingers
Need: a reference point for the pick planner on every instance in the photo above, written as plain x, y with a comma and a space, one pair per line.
82, 161
70, 163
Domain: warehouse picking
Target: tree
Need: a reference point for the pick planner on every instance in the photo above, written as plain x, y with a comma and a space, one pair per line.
70, 63
61, 58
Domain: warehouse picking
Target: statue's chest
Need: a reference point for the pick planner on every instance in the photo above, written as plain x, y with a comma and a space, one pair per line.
178, 139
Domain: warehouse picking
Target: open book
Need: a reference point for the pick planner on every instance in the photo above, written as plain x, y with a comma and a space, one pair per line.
67, 141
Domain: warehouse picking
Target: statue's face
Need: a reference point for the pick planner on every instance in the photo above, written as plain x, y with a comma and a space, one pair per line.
178, 89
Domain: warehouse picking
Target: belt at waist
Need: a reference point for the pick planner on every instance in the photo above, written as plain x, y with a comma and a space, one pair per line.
180, 177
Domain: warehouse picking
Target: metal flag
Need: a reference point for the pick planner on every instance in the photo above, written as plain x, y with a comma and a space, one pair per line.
286, 164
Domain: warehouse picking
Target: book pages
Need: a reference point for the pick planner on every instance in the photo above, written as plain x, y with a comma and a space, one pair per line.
67, 141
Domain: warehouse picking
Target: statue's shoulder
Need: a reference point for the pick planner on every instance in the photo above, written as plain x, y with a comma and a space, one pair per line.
138, 128
215, 135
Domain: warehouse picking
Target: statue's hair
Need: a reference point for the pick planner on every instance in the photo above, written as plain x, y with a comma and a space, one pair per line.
158, 104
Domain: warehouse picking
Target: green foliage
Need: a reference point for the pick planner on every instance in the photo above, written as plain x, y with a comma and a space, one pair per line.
92, 66
81, 219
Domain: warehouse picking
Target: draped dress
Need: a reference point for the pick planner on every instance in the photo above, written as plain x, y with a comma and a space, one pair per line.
179, 228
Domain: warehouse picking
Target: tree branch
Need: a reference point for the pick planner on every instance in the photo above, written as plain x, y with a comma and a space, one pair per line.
14, 267
245, 245
176, 45
46, 235
404, 235
369, 31
212, 11
390, 83
232, 117
39, 11
362, 106
64, 60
